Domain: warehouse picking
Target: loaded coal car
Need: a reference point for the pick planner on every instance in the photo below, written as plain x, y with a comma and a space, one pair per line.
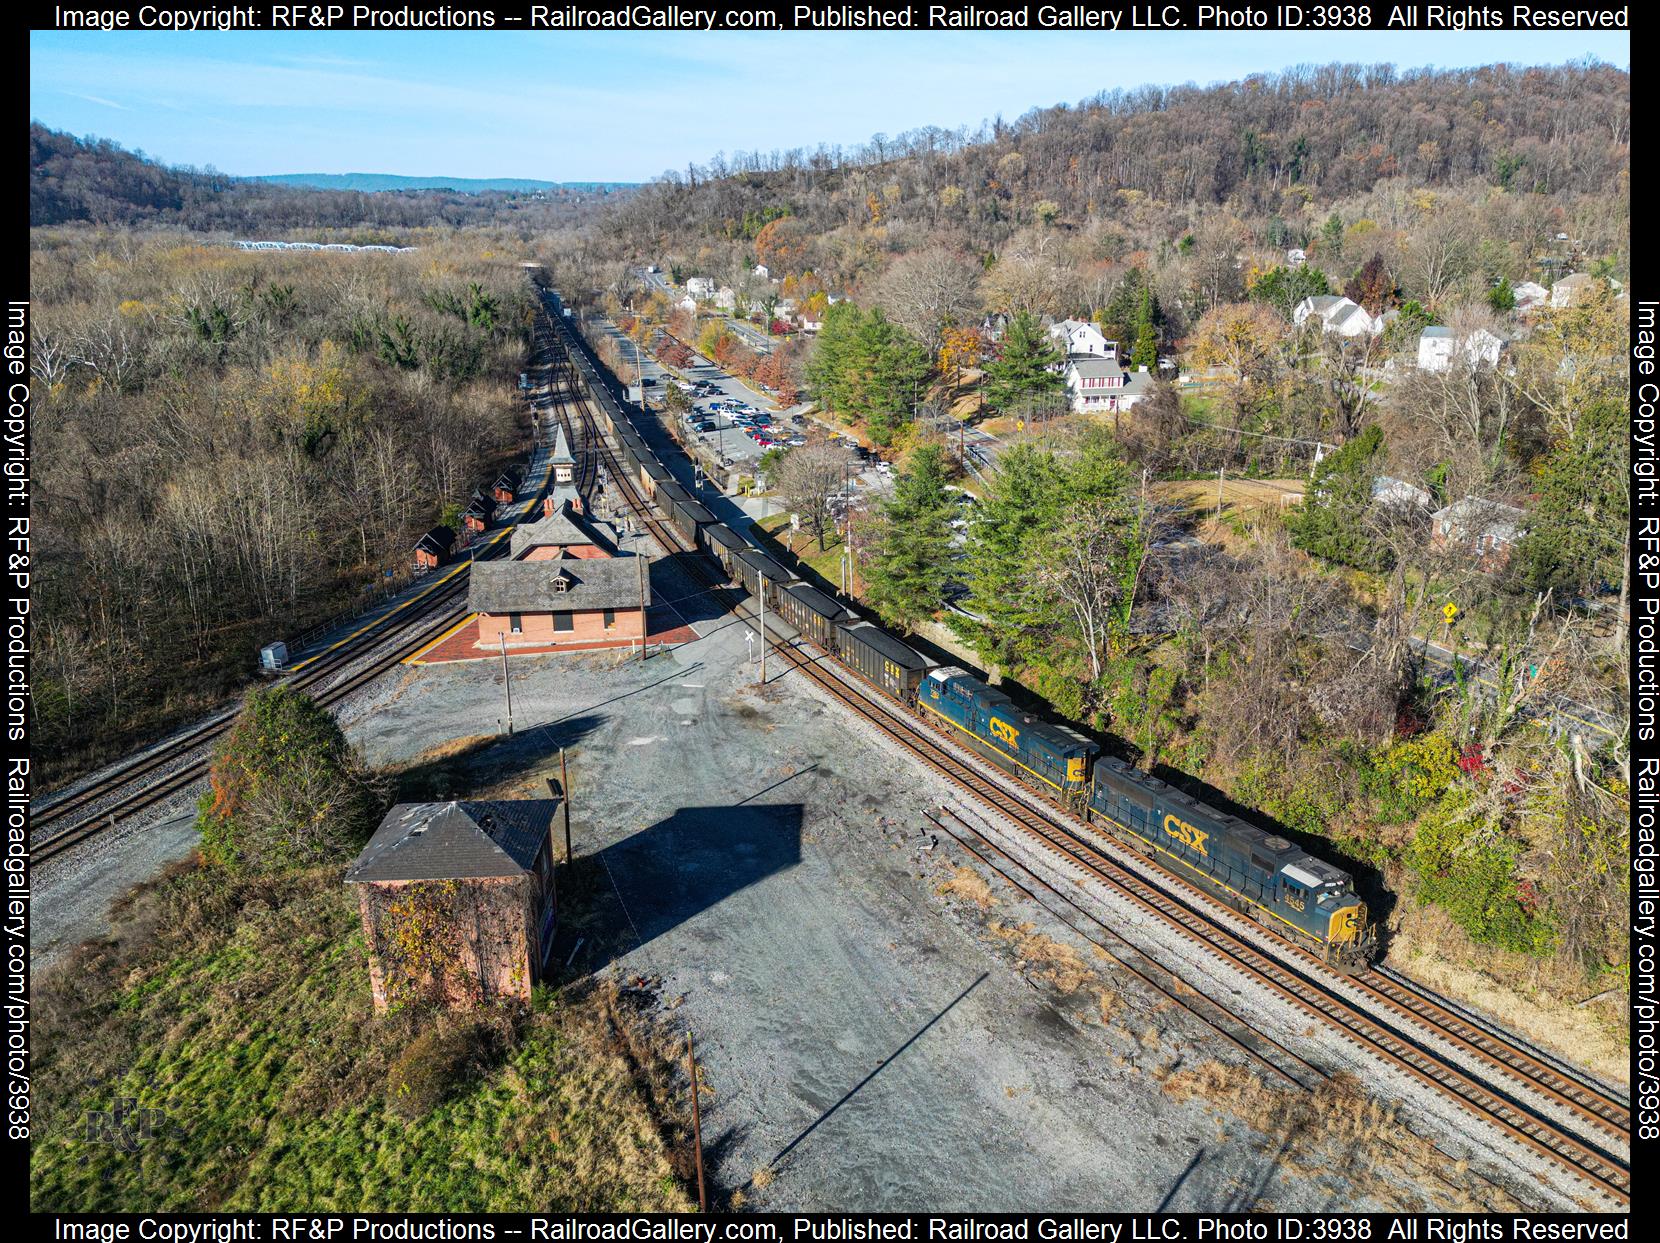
725, 544
895, 668
652, 473
813, 613
1275, 882
689, 518
991, 723
760, 573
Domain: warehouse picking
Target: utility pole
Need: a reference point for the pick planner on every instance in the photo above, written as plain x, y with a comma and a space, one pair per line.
761, 595
506, 682
1220, 472
565, 802
645, 632
697, 1128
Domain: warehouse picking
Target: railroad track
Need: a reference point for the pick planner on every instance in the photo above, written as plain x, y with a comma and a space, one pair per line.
418, 631
1304, 983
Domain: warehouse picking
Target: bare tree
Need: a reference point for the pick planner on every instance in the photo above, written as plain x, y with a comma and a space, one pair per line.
927, 291
807, 478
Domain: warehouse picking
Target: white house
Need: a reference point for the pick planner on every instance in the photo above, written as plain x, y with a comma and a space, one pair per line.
762, 272
1340, 315
688, 304
1529, 295
1438, 347
725, 298
1095, 383
701, 286
1399, 494
1076, 336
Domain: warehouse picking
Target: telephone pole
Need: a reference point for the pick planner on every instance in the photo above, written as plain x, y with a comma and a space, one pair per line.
645, 630
761, 595
506, 681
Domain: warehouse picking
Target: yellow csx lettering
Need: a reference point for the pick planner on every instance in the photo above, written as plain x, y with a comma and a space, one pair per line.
1003, 730
1184, 832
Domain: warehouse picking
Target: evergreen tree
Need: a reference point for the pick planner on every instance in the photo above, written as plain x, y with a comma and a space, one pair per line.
888, 369
1146, 351
1118, 319
1502, 297
907, 573
1022, 370
1330, 521
1283, 288
1331, 237
1575, 539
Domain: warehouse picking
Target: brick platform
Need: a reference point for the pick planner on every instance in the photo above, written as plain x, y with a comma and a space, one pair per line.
663, 626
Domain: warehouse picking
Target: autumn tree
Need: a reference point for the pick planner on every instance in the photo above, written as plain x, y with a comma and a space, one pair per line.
928, 292
1373, 287
1243, 339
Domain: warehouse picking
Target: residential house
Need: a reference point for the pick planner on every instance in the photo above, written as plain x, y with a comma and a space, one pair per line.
1439, 347
1336, 314
1571, 290
1076, 336
1094, 383
701, 287
726, 298
687, 304
1399, 494
1490, 529
457, 901
1530, 296
762, 271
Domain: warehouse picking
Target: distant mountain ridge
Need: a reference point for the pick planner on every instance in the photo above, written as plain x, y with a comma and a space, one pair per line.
371, 182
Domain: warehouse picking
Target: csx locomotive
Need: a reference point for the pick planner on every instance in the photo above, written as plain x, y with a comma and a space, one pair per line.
1275, 882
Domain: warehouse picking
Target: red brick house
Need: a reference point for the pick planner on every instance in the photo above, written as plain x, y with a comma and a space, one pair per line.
457, 901
1489, 529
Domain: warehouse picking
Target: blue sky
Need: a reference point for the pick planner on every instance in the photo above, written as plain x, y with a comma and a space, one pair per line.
624, 107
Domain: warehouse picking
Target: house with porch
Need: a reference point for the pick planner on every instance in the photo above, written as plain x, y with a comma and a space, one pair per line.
1094, 384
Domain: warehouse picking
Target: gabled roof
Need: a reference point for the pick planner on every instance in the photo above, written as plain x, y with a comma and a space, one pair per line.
531, 586
1436, 330
1476, 516
438, 540
455, 841
1094, 365
562, 528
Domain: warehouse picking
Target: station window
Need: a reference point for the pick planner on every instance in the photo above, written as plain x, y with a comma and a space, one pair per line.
563, 622
515, 623
610, 618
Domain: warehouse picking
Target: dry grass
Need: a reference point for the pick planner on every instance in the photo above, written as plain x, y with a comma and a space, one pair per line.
1238, 495
966, 883
1338, 1129
1049, 959
1524, 994
762, 1177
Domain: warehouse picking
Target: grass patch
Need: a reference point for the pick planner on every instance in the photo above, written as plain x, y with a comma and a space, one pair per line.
236, 1012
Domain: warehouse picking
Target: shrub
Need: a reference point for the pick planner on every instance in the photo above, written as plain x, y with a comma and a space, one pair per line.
1466, 868
433, 1065
286, 790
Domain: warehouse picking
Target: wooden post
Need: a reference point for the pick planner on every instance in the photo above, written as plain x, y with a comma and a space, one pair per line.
565, 802
1220, 472
697, 1129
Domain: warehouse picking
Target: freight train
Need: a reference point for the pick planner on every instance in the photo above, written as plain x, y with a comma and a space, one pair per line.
1280, 885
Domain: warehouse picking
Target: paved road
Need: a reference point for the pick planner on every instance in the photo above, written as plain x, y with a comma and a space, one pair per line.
748, 333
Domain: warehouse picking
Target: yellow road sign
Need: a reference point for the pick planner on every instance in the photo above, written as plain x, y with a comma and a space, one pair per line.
1451, 611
